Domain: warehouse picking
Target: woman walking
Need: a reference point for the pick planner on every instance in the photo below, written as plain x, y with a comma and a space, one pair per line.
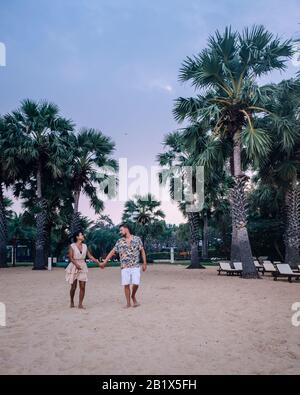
77, 269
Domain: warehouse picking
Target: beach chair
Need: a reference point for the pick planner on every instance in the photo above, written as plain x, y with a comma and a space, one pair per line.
238, 266
284, 270
269, 268
226, 268
258, 266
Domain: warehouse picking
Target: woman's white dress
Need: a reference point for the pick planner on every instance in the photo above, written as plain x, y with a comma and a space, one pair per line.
72, 273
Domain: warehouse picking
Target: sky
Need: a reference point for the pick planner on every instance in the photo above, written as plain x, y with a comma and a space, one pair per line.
113, 64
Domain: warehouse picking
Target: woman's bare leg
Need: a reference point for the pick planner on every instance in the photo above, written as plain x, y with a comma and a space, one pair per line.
81, 294
72, 293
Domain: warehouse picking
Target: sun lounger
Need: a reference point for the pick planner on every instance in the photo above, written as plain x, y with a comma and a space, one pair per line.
284, 270
225, 267
269, 268
238, 266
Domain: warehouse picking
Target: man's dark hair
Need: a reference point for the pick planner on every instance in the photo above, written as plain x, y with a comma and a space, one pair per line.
75, 235
125, 225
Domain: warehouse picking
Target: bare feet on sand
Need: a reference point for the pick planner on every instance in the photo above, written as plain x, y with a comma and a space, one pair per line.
81, 307
72, 305
135, 302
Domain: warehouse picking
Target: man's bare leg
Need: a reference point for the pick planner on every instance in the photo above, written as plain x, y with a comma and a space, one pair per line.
134, 291
127, 295
72, 293
81, 294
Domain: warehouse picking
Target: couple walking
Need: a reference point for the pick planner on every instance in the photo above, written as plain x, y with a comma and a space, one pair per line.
129, 248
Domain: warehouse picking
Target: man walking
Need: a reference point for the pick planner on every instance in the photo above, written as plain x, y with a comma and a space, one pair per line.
129, 248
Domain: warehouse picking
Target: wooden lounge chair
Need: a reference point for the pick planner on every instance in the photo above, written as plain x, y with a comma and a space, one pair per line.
258, 266
269, 268
226, 268
284, 270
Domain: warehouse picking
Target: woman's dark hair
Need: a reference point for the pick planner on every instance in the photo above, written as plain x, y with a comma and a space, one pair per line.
75, 235
124, 225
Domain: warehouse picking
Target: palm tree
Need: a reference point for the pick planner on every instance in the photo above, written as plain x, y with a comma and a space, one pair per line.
175, 158
193, 146
143, 211
91, 160
280, 170
230, 99
42, 134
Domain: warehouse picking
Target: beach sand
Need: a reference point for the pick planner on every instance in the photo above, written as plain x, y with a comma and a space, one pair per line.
189, 322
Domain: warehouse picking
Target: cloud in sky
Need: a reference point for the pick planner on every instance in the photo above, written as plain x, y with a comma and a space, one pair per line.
161, 85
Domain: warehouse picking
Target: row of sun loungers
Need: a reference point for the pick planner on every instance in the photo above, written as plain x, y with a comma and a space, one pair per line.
277, 269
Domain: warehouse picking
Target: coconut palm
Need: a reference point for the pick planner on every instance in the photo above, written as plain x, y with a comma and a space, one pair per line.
42, 142
90, 163
226, 74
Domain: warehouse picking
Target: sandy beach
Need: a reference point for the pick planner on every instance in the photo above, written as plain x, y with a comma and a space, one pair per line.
189, 322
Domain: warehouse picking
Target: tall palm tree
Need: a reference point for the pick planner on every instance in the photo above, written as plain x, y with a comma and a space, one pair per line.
193, 146
280, 170
42, 134
226, 74
176, 158
143, 211
91, 159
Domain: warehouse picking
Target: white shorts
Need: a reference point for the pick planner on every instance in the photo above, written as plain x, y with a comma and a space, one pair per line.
131, 275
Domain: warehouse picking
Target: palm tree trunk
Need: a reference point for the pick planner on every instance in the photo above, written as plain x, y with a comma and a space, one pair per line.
238, 212
76, 223
235, 251
39, 262
194, 224
292, 229
3, 230
205, 237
